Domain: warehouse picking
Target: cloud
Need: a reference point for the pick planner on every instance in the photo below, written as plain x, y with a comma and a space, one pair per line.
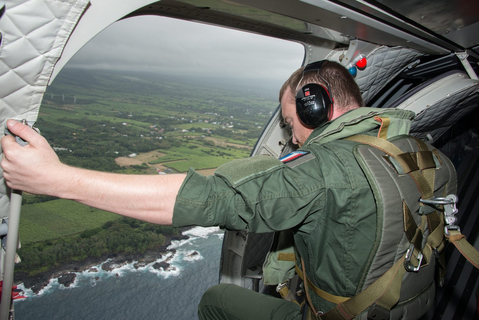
172, 46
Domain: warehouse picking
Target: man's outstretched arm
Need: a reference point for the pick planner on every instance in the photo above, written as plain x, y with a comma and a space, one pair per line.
36, 169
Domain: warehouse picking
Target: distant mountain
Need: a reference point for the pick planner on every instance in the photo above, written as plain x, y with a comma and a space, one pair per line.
138, 81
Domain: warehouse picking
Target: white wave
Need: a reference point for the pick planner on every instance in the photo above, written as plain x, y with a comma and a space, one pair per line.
116, 270
175, 262
140, 268
169, 255
21, 286
194, 233
92, 274
73, 285
49, 286
92, 271
26, 292
121, 269
93, 282
172, 271
179, 243
192, 256
201, 231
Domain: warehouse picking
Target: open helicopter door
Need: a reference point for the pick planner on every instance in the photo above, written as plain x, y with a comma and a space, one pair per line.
34, 35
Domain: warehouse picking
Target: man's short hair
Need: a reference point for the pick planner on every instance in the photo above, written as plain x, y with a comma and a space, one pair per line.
344, 90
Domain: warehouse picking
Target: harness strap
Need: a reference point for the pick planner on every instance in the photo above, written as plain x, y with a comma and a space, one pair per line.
435, 219
286, 294
283, 288
323, 294
384, 292
405, 159
409, 223
467, 250
436, 230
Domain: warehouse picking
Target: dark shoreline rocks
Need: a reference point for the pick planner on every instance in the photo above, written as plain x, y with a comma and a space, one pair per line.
65, 272
193, 254
67, 279
162, 265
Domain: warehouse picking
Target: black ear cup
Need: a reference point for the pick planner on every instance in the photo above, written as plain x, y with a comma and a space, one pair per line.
314, 105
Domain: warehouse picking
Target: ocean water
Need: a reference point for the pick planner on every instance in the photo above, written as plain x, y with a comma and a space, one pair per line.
129, 293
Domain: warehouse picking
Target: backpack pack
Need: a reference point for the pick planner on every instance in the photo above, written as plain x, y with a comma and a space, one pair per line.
413, 183
414, 186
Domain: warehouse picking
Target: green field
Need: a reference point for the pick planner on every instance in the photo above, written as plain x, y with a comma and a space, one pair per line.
193, 155
59, 218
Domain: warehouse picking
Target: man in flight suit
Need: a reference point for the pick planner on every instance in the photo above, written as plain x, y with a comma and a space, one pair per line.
320, 193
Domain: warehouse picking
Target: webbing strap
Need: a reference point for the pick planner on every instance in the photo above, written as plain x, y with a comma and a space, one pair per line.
284, 256
383, 130
436, 231
426, 164
323, 294
406, 161
466, 249
437, 242
410, 225
286, 294
384, 291
425, 160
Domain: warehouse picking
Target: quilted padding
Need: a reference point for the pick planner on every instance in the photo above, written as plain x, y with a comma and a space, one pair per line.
384, 63
440, 103
436, 119
34, 33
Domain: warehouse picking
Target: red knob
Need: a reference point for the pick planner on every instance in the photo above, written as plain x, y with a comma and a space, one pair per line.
362, 63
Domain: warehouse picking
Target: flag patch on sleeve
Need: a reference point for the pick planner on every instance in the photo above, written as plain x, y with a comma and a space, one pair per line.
296, 157
293, 155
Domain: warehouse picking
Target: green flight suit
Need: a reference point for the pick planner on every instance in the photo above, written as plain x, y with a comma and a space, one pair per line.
321, 195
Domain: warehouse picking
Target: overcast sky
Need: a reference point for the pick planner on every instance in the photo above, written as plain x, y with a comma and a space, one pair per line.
166, 46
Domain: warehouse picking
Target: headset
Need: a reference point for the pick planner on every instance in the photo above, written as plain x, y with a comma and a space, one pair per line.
314, 104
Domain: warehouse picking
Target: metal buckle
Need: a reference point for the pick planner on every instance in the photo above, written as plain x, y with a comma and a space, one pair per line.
450, 210
453, 227
281, 286
450, 199
407, 261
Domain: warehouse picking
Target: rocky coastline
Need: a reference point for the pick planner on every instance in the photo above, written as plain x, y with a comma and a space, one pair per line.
66, 272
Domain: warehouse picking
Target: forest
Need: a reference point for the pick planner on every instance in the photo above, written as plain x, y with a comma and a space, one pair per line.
125, 235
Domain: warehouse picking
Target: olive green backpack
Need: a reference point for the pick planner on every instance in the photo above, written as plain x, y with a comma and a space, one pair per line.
414, 186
